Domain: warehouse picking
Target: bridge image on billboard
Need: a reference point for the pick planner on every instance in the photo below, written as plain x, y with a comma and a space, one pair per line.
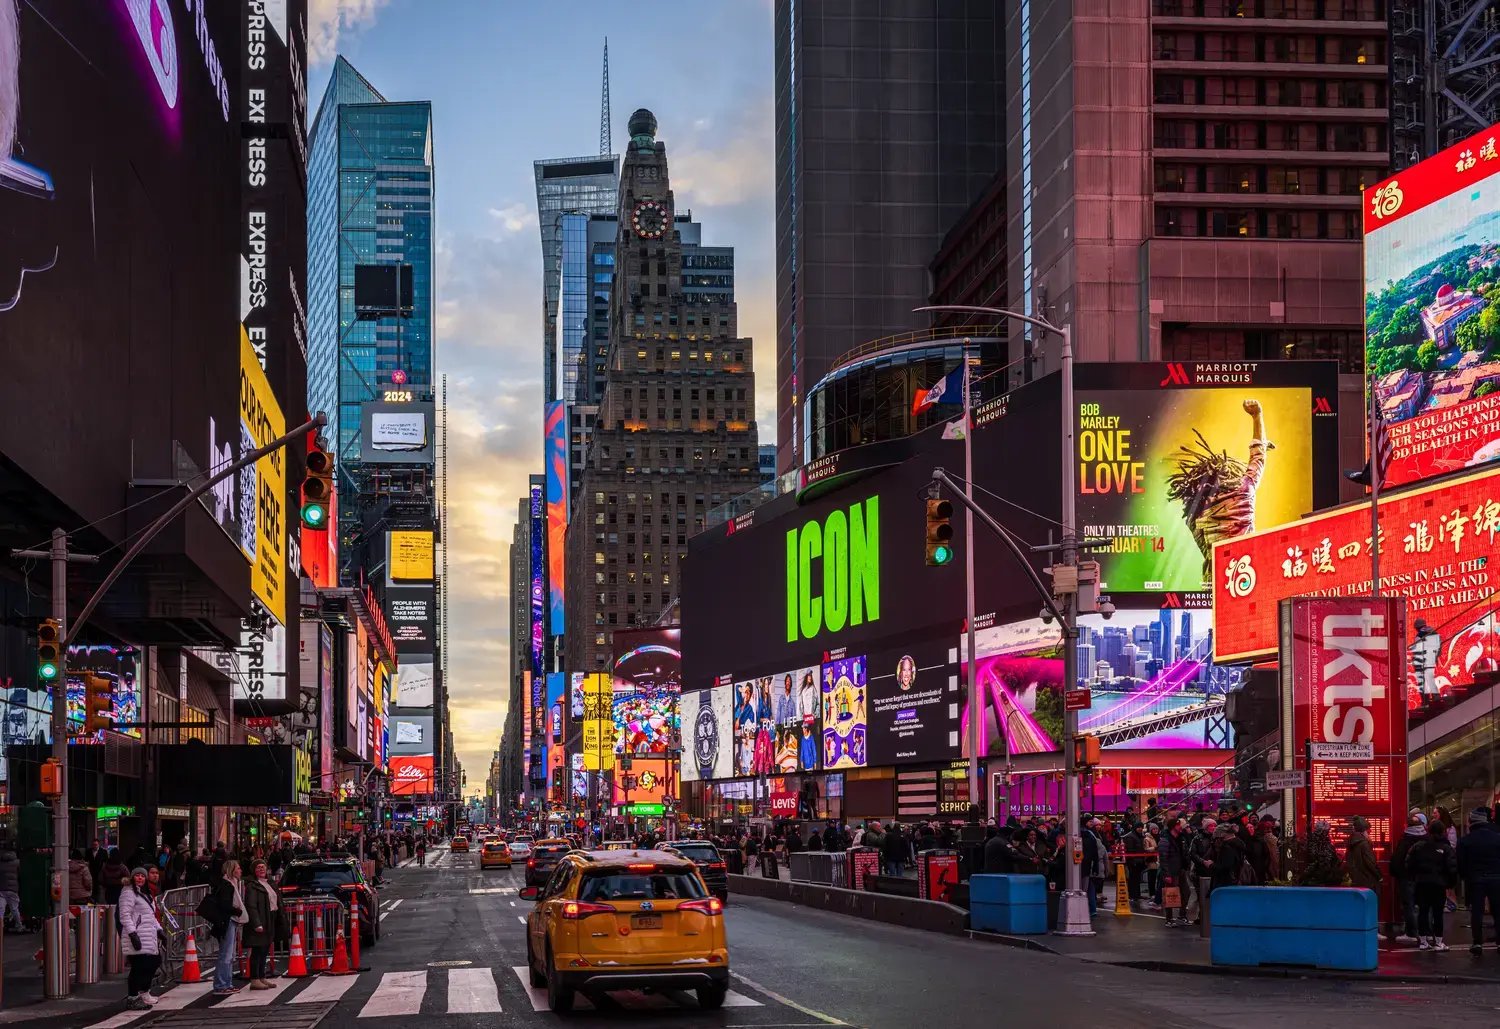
1150, 673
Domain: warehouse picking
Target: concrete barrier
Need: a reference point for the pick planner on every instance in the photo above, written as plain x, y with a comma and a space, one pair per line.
1315, 927
1008, 903
930, 915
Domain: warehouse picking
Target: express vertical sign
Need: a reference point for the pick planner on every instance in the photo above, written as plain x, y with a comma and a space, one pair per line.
1343, 668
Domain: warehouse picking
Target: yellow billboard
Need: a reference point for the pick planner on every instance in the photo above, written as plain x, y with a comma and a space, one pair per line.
411, 556
261, 421
598, 721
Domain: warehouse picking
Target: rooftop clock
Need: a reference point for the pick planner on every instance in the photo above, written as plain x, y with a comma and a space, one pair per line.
649, 219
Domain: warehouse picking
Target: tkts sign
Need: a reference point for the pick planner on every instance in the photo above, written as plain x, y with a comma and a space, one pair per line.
1438, 545
1343, 662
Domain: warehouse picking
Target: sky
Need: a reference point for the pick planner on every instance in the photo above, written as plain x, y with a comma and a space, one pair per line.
513, 81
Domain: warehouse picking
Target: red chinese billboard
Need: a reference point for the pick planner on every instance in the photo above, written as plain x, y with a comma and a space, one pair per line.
1432, 309
1343, 660
411, 776
1438, 541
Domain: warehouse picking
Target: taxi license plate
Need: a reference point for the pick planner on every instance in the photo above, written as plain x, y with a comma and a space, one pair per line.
645, 921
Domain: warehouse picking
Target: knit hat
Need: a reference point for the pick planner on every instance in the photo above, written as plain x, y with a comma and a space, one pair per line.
1479, 814
137, 871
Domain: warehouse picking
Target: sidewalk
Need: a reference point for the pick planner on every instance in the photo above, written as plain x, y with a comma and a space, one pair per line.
1143, 941
21, 996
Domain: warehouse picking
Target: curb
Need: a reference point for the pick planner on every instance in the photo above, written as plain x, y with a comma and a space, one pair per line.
1240, 971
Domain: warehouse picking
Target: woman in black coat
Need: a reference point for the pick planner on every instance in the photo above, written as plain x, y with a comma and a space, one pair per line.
264, 916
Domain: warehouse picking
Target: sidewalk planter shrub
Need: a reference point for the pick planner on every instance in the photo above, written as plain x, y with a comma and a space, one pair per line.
1008, 903
1308, 926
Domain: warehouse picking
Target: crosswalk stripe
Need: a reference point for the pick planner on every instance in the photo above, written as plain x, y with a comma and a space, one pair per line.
538, 996
739, 1000
394, 905
399, 993
248, 998
472, 990
177, 997
323, 989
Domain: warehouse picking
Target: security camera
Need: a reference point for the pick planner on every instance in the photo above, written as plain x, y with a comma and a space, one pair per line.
1106, 609
1046, 616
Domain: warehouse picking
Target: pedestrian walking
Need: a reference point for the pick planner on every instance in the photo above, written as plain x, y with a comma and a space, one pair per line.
1359, 857
137, 920
1432, 866
261, 923
1172, 856
10, 890
1416, 831
894, 851
1479, 868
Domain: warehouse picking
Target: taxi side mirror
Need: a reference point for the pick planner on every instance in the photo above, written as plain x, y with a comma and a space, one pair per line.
530, 893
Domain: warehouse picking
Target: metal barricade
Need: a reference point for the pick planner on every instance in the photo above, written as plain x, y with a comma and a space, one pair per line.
177, 912
320, 920
819, 866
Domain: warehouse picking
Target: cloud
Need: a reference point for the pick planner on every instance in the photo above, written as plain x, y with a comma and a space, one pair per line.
328, 19
514, 217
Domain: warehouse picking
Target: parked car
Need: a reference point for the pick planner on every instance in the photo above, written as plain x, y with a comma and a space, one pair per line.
340, 878
710, 862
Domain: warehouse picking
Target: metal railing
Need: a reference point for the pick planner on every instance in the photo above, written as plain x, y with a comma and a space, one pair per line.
826, 868
177, 912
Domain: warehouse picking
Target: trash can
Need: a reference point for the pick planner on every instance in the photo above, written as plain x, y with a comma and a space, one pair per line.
768, 866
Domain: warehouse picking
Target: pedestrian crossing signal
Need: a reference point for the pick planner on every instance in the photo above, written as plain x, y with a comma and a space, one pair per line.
939, 532
48, 649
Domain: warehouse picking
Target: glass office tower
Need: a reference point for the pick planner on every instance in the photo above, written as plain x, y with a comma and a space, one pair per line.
369, 202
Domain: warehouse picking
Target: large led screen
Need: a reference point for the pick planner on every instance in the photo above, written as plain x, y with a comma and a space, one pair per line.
915, 703
1172, 458
1432, 310
555, 442
844, 713
538, 580
647, 682
707, 732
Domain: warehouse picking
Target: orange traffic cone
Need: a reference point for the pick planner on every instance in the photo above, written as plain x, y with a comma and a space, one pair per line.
296, 964
190, 971
340, 956
320, 946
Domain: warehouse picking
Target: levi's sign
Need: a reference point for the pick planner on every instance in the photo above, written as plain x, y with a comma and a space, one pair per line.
833, 572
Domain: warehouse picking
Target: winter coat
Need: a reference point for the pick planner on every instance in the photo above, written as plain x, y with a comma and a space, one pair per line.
1432, 862
1172, 853
137, 915
115, 875
10, 872
1414, 834
1479, 855
1027, 860
1228, 859
1360, 863
998, 856
894, 847
873, 838
258, 907
80, 882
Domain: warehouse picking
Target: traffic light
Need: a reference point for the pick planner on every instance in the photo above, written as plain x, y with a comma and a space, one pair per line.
98, 703
48, 650
317, 488
939, 532
1086, 751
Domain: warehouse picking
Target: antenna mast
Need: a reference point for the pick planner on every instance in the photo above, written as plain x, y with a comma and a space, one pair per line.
606, 139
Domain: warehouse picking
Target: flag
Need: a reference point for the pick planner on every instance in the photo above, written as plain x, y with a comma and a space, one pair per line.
949, 390
955, 429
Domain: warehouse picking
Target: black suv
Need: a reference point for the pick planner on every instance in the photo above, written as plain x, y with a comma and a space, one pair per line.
339, 878
545, 854
710, 864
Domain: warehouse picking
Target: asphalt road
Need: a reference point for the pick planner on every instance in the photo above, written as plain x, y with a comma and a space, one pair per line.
452, 953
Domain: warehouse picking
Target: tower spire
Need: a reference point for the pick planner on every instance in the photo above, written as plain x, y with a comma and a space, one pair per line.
606, 139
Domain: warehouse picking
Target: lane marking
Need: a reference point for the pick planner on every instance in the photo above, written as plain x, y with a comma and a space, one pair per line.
323, 989
472, 991
491, 889
512, 903
538, 994
399, 993
778, 998
394, 905
521, 919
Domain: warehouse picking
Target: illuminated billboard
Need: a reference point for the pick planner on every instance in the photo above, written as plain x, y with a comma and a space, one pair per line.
708, 742
647, 682
555, 445
648, 781
397, 431
411, 776
262, 485
1173, 457
844, 713
598, 722
1438, 552
1432, 309
118, 666
538, 579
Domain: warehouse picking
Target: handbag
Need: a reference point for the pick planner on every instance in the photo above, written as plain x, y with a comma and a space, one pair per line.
1171, 896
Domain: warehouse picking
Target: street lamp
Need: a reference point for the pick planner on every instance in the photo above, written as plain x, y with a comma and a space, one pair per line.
1073, 913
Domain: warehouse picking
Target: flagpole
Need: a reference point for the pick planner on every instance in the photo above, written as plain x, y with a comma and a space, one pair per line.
976, 702
1376, 474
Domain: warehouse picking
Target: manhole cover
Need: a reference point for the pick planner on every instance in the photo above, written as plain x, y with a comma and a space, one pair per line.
448, 964
289, 1016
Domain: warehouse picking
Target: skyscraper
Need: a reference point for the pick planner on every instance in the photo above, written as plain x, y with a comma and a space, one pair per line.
675, 434
889, 123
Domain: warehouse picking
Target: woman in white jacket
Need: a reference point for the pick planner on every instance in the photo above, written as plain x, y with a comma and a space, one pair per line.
139, 927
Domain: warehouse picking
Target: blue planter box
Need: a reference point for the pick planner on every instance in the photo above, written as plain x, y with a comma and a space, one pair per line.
1008, 903
1314, 927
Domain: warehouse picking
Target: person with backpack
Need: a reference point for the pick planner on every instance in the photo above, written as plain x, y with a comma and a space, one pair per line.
1229, 865
138, 926
224, 910
1432, 867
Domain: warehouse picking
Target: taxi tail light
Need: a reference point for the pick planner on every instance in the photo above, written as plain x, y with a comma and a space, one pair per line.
642, 868
706, 906
575, 910
531, 862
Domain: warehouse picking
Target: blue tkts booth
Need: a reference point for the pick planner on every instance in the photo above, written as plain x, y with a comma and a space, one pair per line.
1008, 903
1315, 927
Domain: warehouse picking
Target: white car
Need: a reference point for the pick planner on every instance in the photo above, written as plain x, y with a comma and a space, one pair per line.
520, 847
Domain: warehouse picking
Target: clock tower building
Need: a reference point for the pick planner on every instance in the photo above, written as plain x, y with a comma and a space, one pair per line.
675, 435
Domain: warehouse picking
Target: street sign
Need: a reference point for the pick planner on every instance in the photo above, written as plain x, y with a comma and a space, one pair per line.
1343, 752
1077, 700
1291, 780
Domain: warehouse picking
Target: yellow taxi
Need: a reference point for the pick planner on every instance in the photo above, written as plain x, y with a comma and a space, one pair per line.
494, 853
460, 845
626, 920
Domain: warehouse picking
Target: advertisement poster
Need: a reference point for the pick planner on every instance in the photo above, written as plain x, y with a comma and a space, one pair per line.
1432, 313
412, 620
915, 704
262, 485
1341, 673
794, 716
411, 555
414, 684
557, 685
844, 713
708, 743
555, 442
598, 721
538, 580
411, 776
119, 667
647, 683
1166, 472
579, 776
649, 781
1151, 674
28, 719
754, 727
575, 696
1438, 552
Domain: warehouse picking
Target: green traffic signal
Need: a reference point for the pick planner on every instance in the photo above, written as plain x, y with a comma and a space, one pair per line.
314, 515
46, 671
942, 555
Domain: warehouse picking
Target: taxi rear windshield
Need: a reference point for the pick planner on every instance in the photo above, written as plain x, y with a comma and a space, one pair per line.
624, 885
550, 850
493, 847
